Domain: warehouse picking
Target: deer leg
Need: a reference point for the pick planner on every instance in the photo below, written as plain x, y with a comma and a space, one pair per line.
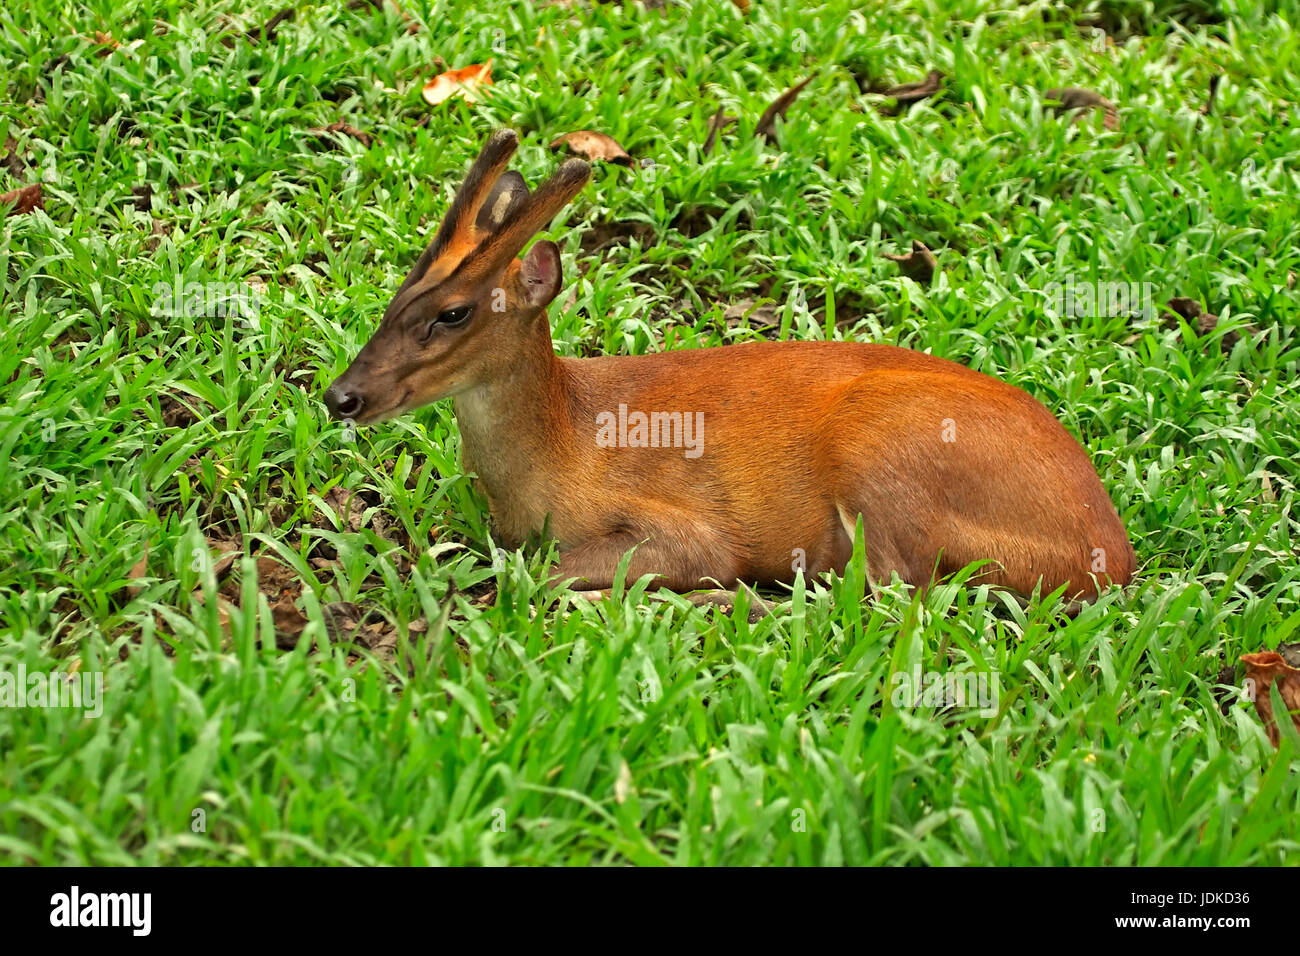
682, 557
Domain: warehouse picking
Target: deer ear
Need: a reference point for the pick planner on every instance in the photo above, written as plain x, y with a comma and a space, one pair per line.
507, 195
541, 273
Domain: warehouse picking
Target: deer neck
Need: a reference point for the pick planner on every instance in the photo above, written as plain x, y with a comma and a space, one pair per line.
516, 430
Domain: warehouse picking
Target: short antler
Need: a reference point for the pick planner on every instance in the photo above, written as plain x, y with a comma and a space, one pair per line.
458, 224
534, 214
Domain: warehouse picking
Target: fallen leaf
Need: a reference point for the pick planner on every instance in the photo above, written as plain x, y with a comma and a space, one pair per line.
909, 93
1226, 691
469, 82
1202, 322
1190, 310
1266, 491
1073, 98
349, 507
12, 161
177, 411
719, 122
347, 622
362, 137
744, 311
1265, 669
229, 549
106, 41
157, 229
289, 621
223, 609
267, 32
1208, 107
138, 571
919, 264
25, 199
766, 128
592, 145
412, 25
741, 5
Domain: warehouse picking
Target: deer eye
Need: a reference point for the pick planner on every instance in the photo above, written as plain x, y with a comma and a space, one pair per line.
450, 318
455, 317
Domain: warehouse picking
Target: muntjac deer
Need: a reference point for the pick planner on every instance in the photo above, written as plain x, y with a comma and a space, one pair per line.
730, 465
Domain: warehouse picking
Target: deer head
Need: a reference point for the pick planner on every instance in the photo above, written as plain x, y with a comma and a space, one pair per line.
456, 319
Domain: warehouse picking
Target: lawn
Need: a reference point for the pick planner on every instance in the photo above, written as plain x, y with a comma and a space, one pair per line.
310, 648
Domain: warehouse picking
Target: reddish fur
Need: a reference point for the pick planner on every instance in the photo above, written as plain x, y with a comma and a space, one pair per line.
793, 432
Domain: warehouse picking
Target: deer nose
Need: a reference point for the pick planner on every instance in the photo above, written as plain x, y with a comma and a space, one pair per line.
342, 403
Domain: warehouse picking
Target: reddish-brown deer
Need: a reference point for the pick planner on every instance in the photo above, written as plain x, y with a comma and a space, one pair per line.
732, 464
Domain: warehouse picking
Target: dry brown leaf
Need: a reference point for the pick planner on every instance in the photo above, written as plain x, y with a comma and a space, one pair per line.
1208, 108
13, 162
719, 122
282, 588
176, 410
223, 609
229, 549
289, 621
764, 316
469, 82
766, 128
25, 199
273, 578
362, 137
1265, 669
1203, 322
412, 25
106, 42
347, 622
593, 145
919, 264
138, 570
1073, 98
908, 93
267, 32
1190, 310
348, 505
741, 5
343, 620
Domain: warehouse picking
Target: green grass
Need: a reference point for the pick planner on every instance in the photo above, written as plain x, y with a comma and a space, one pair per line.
536, 728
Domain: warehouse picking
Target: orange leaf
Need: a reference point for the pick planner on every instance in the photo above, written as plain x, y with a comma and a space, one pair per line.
593, 145
469, 82
1264, 669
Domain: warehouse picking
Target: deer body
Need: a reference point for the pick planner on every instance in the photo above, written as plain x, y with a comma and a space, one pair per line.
767, 453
